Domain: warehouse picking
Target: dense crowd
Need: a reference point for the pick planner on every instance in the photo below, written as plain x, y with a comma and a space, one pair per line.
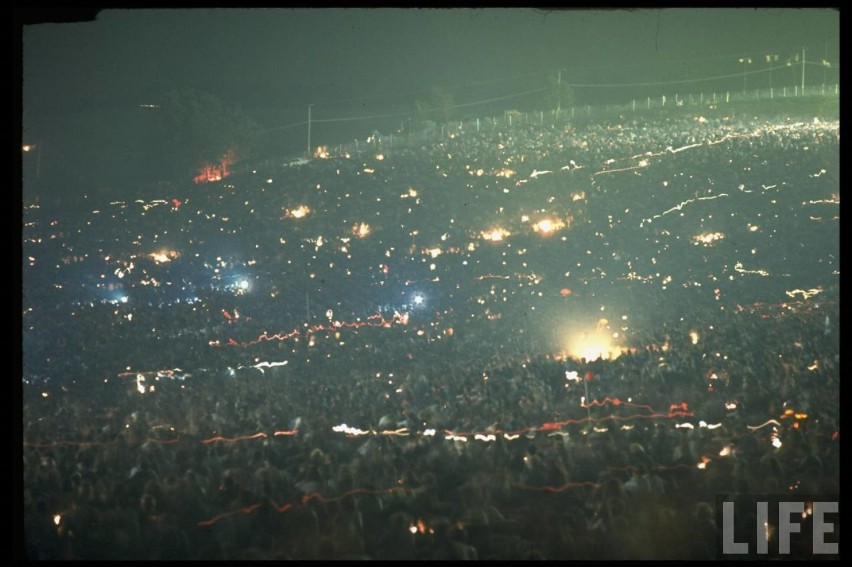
365, 357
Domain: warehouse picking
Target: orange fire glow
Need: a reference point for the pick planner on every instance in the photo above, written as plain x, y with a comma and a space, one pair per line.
216, 172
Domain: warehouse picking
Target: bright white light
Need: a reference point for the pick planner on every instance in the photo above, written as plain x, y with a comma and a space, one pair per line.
299, 212
361, 229
418, 299
592, 346
546, 226
495, 235
481, 437
243, 284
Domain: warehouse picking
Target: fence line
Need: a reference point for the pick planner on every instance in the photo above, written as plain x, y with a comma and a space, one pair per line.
376, 143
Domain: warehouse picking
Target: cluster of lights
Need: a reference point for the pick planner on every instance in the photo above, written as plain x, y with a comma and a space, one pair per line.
361, 229
299, 212
546, 226
707, 238
495, 234
164, 256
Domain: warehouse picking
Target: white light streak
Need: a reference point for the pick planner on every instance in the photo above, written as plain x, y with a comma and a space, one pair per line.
684, 203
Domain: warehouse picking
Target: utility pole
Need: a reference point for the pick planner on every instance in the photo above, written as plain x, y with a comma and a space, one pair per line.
559, 93
309, 131
803, 71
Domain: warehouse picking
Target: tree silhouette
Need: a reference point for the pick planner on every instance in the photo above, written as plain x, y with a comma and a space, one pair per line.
438, 106
198, 130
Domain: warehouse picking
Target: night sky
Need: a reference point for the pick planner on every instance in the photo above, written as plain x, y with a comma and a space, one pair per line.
352, 63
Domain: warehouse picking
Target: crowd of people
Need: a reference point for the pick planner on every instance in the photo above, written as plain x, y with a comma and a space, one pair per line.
366, 356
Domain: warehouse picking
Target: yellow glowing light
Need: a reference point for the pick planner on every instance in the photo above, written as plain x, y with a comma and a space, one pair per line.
693, 336
56, 519
546, 226
434, 252
361, 229
380, 157
299, 212
321, 152
504, 173
160, 257
495, 235
805, 293
593, 345
725, 451
578, 196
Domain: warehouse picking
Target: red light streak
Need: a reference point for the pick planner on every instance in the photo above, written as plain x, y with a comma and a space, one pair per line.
656, 468
213, 520
319, 497
304, 500
220, 439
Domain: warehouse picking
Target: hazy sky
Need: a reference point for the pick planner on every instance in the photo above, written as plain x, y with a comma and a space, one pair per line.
275, 57
357, 62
